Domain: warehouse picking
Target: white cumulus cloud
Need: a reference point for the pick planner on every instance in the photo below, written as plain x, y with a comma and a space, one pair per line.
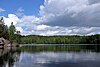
11, 18
59, 17
70, 13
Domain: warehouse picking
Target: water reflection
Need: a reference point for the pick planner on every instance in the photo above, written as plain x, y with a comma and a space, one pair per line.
8, 57
25, 57
49, 58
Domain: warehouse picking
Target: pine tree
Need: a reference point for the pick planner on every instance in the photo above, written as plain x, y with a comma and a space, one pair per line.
12, 31
3, 29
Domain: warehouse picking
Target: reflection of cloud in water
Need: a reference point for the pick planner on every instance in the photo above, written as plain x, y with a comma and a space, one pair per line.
56, 57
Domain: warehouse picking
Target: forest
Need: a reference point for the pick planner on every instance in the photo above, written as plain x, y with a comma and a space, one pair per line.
75, 39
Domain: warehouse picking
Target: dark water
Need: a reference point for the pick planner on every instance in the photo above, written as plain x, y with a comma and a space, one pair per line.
51, 56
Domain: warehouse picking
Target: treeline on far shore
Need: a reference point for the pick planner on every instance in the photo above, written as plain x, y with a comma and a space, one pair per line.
75, 39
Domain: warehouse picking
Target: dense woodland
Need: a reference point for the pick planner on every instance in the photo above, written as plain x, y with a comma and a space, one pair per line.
11, 34
75, 39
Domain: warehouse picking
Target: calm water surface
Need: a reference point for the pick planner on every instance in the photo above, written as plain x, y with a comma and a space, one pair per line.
83, 56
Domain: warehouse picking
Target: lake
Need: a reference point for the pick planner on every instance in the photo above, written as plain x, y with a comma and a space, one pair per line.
51, 56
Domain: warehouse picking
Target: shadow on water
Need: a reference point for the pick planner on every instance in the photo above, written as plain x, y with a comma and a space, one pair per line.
8, 57
51, 56
59, 48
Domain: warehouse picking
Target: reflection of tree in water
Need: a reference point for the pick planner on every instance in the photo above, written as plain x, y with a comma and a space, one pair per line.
8, 59
94, 48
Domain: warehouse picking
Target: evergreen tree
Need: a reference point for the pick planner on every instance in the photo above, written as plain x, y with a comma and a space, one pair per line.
12, 31
18, 36
3, 29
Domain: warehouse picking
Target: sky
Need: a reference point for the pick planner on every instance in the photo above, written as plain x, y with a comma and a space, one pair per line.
52, 17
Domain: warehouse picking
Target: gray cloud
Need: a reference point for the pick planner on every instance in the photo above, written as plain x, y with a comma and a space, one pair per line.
71, 13
60, 17
94, 1
57, 30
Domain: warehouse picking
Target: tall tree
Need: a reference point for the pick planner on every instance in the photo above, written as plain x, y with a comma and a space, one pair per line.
3, 29
12, 31
18, 36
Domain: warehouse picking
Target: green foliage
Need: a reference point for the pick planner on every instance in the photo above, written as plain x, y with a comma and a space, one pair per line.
9, 33
3, 30
18, 36
93, 39
12, 31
